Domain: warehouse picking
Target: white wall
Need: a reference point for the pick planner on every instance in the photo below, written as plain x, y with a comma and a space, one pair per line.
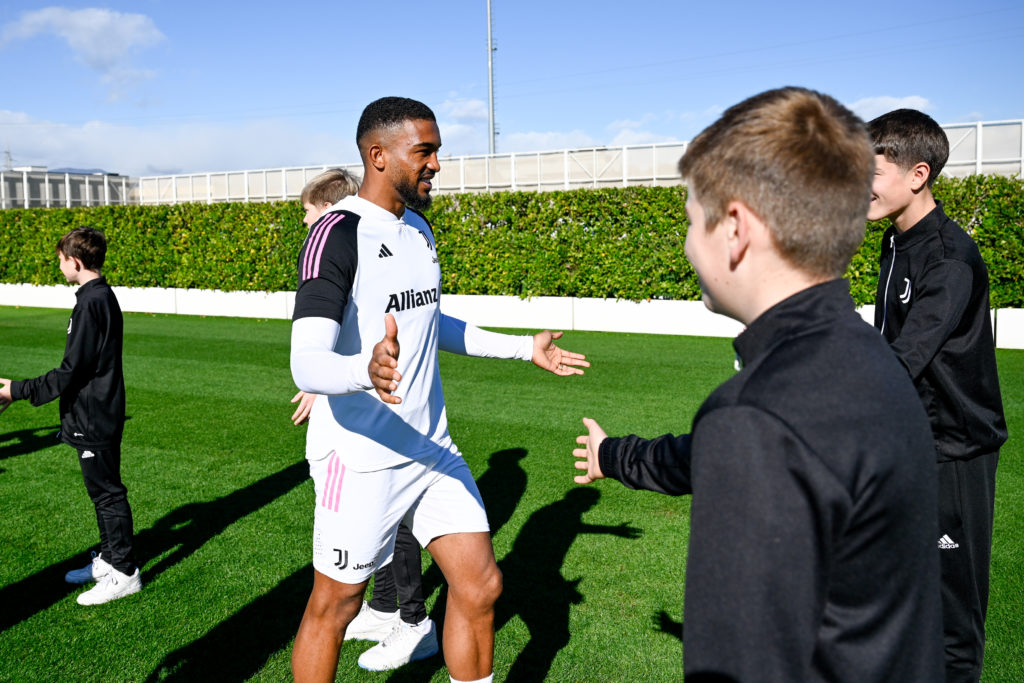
555, 313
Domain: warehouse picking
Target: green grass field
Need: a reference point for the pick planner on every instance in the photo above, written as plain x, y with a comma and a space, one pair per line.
223, 503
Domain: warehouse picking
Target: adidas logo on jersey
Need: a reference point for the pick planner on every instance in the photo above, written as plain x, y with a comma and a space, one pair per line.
947, 543
384, 251
412, 299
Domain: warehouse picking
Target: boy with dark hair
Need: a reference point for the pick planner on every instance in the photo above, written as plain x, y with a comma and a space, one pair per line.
405, 633
810, 551
90, 384
932, 306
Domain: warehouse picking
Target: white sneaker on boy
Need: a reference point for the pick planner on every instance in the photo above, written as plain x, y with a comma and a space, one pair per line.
406, 643
111, 587
370, 624
94, 571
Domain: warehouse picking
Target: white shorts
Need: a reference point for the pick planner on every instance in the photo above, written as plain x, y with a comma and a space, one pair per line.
358, 513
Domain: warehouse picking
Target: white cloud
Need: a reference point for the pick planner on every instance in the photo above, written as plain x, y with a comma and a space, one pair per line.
464, 110
463, 125
640, 137
177, 148
629, 124
870, 107
101, 39
535, 141
642, 131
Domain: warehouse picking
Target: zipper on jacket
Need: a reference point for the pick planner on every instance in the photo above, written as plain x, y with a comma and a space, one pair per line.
888, 280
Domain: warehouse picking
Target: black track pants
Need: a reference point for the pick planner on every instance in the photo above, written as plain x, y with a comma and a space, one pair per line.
402, 579
966, 497
101, 471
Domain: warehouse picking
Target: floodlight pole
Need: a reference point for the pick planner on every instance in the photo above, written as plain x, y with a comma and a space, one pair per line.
490, 80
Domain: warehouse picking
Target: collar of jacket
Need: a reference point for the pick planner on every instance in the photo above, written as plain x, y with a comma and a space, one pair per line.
923, 229
815, 306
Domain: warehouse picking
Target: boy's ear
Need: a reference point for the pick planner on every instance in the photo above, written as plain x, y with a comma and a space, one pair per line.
739, 226
919, 176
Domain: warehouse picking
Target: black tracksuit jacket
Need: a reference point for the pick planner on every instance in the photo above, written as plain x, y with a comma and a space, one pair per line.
932, 306
90, 379
812, 526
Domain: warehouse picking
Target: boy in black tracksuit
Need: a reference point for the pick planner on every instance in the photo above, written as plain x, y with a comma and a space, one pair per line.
932, 306
811, 548
90, 384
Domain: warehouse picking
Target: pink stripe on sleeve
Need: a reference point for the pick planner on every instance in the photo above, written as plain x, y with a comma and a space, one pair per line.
315, 250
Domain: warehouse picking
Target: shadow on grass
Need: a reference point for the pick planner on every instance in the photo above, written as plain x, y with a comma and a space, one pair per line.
535, 589
666, 624
189, 527
25, 441
238, 647
185, 530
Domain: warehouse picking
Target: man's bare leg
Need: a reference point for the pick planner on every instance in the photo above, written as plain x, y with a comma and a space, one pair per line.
331, 606
474, 584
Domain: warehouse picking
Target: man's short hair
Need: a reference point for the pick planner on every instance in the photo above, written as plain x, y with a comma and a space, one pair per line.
390, 112
86, 244
329, 187
801, 161
906, 137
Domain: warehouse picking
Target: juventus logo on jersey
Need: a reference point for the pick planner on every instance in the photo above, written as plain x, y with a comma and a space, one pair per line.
905, 294
425, 239
342, 558
384, 251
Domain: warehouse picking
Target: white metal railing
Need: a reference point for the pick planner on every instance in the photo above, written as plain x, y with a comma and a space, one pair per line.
982, 147
35, 188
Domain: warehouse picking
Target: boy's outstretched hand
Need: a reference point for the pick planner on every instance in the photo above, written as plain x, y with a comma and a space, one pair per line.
591, 442
554, 359
384, 363
5, 392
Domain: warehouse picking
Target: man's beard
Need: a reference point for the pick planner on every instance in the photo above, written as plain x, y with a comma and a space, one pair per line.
410, 195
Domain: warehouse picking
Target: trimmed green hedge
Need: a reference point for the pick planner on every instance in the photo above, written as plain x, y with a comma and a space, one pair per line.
620, 242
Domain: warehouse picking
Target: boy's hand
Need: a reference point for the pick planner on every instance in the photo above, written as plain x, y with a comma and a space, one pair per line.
384, 363
549, 357
591, 442
5, 392
301, 413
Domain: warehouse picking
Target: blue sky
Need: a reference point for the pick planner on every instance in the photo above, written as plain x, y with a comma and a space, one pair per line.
153, 86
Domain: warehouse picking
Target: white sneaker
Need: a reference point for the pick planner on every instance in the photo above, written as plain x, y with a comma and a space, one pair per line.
94, 571
370, 624
111, 587
403, 645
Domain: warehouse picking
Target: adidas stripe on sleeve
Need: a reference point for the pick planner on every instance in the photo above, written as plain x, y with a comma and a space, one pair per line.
327, 267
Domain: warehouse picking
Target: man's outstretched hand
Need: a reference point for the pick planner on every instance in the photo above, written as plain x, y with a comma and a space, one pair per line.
554, 359
384, 363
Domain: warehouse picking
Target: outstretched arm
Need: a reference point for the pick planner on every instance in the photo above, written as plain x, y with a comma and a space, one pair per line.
661, 464
5, 391
548, 356
458, 336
